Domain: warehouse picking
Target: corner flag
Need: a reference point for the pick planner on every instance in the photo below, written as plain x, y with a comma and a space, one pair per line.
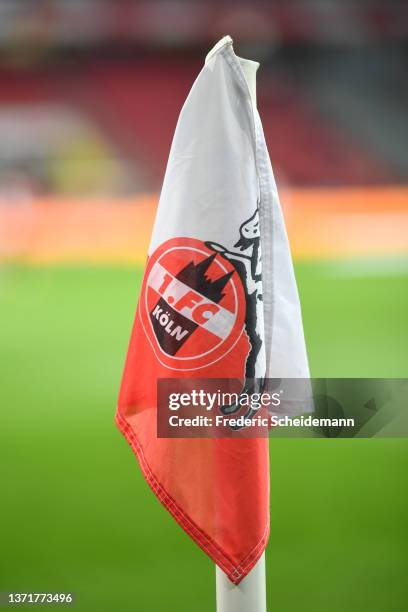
218, 300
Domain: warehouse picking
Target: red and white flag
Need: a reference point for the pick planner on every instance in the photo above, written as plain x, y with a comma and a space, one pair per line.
218, 300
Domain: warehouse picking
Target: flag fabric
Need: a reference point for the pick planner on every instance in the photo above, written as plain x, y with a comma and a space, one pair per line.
218, 300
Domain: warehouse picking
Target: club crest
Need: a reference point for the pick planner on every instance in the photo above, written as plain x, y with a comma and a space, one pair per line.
192, 304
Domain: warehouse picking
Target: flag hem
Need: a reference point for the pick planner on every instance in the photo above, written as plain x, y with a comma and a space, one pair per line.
266, 195
235, 572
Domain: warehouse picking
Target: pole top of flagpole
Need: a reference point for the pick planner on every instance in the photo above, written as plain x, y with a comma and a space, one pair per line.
248, 67
226, 40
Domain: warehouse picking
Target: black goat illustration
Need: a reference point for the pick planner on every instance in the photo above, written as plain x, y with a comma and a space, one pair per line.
246, 259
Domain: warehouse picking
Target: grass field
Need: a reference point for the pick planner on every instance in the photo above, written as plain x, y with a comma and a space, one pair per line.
76, 514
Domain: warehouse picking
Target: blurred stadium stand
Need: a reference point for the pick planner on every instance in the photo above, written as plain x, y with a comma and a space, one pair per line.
90, 90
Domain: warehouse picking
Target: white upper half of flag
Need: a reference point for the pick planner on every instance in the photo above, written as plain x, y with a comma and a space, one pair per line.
218, 176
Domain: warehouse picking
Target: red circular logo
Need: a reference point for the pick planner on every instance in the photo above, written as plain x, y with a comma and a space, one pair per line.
192, 304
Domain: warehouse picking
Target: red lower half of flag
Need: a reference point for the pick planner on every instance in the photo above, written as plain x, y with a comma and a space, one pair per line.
217, 489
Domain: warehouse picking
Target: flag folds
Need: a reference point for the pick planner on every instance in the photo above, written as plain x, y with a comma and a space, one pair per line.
218, 300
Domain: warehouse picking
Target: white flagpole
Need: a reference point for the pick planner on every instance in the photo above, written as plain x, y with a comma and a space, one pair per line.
250, 594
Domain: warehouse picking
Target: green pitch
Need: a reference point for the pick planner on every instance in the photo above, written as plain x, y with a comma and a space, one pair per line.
76, 515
